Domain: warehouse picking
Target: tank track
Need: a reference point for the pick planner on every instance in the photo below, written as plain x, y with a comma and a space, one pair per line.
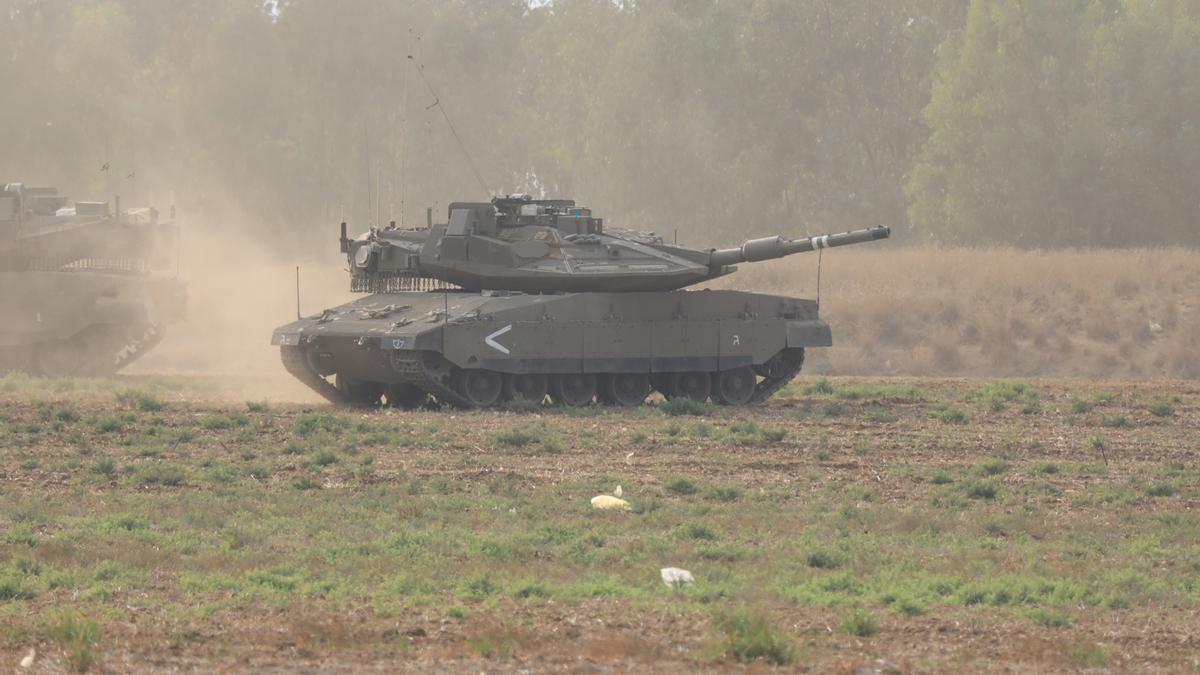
767, 387
139, 346
417, 369
105, 350
430, 374
296, 363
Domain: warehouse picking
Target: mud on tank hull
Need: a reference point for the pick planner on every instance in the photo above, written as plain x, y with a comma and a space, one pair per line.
82, 323
476, 350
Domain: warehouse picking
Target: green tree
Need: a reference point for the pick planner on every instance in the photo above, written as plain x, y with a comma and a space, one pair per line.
1065, 123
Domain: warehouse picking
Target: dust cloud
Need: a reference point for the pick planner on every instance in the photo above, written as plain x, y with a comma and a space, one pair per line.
239, 288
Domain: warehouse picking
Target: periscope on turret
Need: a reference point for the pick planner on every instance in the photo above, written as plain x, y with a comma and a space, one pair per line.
537, 299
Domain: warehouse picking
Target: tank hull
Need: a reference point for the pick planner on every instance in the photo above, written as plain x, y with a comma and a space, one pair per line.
75, 323
454, 347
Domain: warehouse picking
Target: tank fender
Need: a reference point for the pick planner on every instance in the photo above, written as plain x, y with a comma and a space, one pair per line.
812, 333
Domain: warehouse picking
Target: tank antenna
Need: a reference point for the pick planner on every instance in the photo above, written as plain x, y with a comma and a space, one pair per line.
297, 291
367, 157
437, 103
820, 257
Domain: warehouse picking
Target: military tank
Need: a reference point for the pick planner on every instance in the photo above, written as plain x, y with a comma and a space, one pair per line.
86, 289
519, 298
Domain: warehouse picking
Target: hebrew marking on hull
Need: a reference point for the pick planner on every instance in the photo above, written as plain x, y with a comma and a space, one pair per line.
535, 299
85, 291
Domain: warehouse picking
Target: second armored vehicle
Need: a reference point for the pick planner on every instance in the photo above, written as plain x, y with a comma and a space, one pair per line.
86, 290
524, 298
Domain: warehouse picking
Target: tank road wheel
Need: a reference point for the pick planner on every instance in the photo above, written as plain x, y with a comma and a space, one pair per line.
734, 387
405, 396
358, 391
574, 389
481, 388
625, 389
695, 386
527, 387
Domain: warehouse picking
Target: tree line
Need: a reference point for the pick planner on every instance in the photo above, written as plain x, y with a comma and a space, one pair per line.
1071, 123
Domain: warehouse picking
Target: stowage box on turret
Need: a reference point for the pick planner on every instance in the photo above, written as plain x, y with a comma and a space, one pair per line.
85, 288
524, 298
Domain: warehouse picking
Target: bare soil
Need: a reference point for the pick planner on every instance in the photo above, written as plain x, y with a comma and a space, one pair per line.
861, 446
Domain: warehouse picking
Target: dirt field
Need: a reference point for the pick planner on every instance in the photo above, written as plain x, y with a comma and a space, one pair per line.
905, 525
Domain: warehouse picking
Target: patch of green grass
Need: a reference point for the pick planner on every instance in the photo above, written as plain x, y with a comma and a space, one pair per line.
1088, 655
481, 585
1081, 406
532, 590
882, 416
306, 483
524, 437
105, 467
224, 422
724, 494
66, 415
748, 433
161, 473
493, 644
1044, 468
1117, 422
940, 477
257, 407
1161, 408
834, 409
80, 638
15, 585
993, 467
1162, 490
107, 425
141, 400
981, 489
865, 392
682, 405
515, 437
1048, 618
457, 612
521, 406
321, 458
698, 532
312, 422
823, 560
820, 387
748, 636
998, 395
861, 624
681, 486
949, 415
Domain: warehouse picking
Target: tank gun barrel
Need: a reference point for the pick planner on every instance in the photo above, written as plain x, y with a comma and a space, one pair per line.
768, 248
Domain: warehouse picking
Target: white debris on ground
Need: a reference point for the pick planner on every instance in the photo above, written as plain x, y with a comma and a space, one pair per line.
677, 578
27, 662
609, 502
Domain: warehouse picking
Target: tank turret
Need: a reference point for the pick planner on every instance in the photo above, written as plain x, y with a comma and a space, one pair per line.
518, 243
